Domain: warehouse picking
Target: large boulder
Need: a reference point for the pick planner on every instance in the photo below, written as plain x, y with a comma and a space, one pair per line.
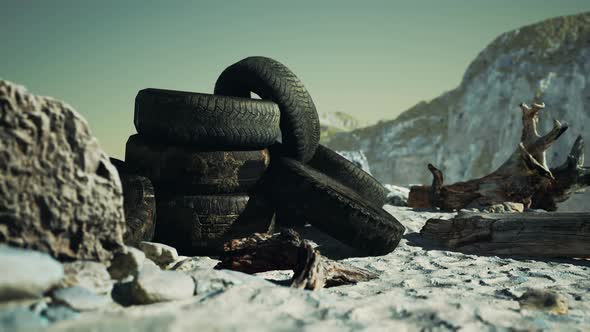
59, 193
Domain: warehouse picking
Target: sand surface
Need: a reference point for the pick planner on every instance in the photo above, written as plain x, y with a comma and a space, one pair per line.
420, 288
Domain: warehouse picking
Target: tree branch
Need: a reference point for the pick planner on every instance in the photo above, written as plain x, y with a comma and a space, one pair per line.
523, 178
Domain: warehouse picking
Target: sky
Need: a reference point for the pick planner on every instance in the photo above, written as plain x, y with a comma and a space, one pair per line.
370, 59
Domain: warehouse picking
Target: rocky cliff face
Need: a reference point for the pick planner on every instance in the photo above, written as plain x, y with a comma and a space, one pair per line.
336, 122
469, 131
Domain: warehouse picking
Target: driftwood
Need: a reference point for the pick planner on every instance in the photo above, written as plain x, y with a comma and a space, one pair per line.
524, 178
261, 252
287, 251
522, 234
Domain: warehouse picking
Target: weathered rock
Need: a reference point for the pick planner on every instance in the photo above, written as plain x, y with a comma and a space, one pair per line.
160, 253
90, 275
21, 319
26, 273
336, 122
193, 263
126, 263
213, 281
151, 286
55, 313
545, 300
79, 298
59, 193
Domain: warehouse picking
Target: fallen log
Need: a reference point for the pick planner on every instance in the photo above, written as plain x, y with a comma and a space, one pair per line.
287, 251
524, 178
521, 234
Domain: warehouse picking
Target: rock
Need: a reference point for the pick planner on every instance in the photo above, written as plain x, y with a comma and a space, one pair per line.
90, 275
160, 253
337, 121
178, 260
193, 263
26, 273
214, 281
148, 264
397, 196
126, 263
55, 313
79, 298
21, 319
124, 292
60, 193
151, 286
545, 300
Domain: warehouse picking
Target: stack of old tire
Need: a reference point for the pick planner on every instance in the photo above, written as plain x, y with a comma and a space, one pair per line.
208, 158
204, 154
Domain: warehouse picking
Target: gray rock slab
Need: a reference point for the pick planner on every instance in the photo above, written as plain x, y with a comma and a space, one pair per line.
26, 273
160, 253
151, 286
21, 319
127, 262
193, 263
55, 313
210, 282
80, 299
90, 275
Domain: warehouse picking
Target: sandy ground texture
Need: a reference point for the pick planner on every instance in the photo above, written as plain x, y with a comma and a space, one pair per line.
420, 288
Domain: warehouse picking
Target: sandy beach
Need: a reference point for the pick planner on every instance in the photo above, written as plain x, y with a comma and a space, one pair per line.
419, 288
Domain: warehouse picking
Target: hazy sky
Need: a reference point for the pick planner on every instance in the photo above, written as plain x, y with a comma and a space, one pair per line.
371, 59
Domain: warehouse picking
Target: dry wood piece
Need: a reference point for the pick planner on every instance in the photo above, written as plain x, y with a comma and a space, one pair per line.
524, 178
261, 252
314, 271
287, 251
528, 234
570, 177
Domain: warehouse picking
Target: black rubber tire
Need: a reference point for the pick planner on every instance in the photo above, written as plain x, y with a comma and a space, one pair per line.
332, 207
119, 165
341, 169
188, 171
206, 121
139, 204
271, 80
201, 224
